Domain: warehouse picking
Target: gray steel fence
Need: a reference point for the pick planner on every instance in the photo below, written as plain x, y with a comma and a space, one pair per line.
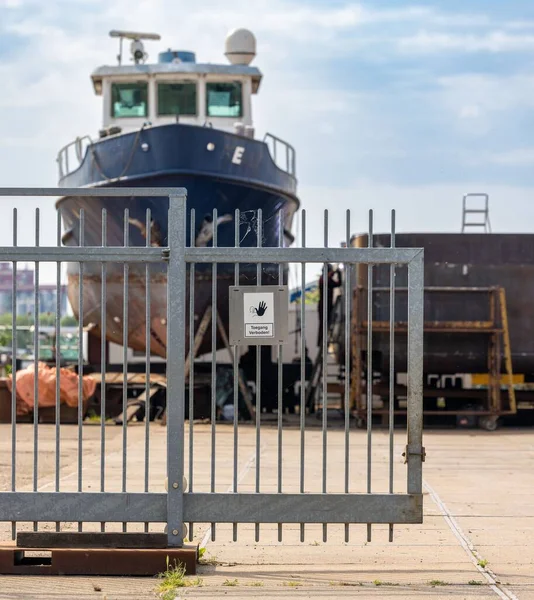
193, 500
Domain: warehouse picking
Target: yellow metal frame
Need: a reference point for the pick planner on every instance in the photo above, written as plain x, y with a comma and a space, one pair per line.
499, 337
507, 350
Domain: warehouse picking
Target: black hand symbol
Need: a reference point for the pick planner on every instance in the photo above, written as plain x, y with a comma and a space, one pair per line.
262, 307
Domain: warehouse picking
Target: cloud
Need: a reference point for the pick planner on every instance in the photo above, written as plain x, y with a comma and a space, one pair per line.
419, 208
292, 21
345, 83
520, 24
488, 93
470, 111
428, 42
520, 157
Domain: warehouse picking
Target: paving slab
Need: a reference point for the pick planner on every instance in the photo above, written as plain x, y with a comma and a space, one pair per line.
479, 506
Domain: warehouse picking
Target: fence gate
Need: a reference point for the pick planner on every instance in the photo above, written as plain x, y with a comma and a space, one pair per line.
139, 285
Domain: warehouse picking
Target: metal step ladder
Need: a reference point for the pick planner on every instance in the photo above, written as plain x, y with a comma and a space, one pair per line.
481, 220
334, 372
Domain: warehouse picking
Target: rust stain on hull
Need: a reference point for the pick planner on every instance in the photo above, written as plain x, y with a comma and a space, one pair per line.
92, 313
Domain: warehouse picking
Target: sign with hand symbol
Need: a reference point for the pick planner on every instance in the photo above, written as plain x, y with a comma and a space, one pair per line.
263, 311
260, 311
259, 314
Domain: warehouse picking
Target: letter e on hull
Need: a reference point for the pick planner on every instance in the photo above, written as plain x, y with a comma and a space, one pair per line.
238, 155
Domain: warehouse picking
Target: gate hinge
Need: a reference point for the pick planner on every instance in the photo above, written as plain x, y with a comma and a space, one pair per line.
414, 452
165, 254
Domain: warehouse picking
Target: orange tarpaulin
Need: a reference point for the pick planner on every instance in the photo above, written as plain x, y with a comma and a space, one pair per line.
46, 378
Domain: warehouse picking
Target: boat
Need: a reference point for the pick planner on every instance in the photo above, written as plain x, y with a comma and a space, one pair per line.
174, 123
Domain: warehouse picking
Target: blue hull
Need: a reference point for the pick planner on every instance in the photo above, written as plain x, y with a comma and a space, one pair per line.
173, 156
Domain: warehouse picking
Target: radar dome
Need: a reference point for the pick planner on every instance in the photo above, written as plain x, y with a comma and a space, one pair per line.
240, 47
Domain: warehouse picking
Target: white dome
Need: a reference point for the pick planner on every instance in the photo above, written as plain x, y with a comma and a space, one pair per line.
240, 47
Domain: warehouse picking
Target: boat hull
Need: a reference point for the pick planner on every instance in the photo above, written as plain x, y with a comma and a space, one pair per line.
205, 193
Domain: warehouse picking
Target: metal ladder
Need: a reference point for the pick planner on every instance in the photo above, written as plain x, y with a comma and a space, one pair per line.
483, 212
333, 370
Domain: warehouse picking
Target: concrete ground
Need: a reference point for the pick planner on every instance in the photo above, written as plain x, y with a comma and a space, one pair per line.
477, 539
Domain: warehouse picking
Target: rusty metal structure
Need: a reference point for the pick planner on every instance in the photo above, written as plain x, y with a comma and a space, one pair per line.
478, 324
495, 393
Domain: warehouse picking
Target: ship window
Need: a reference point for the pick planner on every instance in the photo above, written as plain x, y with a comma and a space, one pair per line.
177, 99
129, 99
223, 99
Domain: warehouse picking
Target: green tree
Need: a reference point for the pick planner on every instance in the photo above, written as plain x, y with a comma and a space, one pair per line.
69, 321
5, 337
25, 320
48, 319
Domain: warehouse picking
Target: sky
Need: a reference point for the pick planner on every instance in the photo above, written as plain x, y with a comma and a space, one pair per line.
389, 104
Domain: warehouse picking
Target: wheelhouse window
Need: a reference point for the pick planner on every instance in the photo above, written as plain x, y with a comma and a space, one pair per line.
177, 99
129, 99
224, 99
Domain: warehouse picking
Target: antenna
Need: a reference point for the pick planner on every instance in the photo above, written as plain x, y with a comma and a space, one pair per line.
137, 49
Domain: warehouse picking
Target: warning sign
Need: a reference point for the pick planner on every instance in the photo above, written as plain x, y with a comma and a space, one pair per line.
258, 310
258, 315
257, 330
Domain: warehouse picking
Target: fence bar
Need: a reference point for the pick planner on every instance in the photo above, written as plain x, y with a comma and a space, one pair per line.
213, 364
192, 270
369, 368
36, 365
299, 255
148, 228
346, 400
120, 254
391, 365
236, 377
280, 370
58, 358
14, 372
80, 361
414, 450
125, 298
324, 352
117, 192
307, 508
90, 254
259, 236
202, 507
302, 363
103, 358
176, 276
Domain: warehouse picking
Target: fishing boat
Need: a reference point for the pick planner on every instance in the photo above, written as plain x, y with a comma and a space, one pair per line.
174, 123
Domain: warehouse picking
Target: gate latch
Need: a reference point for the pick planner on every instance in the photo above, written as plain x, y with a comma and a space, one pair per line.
414, 452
